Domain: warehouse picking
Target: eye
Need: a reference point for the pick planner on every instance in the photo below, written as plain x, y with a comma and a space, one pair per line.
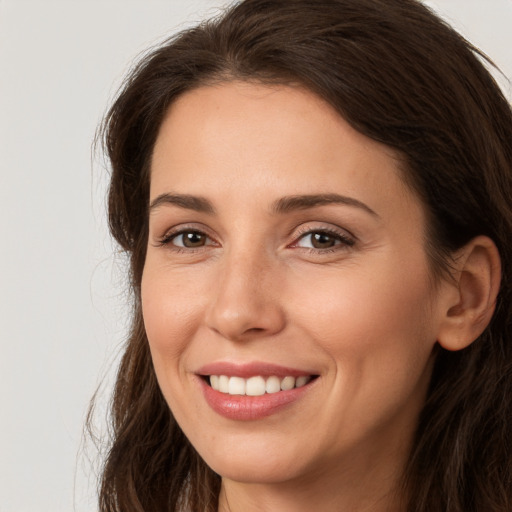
187, 239
190, 239
318, 240
323, 239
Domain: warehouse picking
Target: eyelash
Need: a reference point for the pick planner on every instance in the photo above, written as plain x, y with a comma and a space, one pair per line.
167, 239
345, 240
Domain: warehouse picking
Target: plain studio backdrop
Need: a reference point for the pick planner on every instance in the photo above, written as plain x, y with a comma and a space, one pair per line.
63, 306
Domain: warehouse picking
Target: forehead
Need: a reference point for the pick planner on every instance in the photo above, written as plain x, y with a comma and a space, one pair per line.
258, 142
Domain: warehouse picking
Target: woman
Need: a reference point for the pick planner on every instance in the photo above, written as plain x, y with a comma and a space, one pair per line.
315, 199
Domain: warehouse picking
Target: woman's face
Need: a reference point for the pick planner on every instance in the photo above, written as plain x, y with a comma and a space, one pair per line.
285, 249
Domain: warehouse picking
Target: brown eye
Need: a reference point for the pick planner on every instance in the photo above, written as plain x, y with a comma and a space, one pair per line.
190, 239
319, 240
323, 240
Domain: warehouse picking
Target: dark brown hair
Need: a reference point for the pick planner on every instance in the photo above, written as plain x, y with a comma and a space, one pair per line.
400, 76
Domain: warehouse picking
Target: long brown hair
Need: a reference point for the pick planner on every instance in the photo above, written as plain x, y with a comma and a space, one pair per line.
401, 76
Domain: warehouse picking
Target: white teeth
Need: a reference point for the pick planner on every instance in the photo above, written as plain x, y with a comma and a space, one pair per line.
287, 383
302, 381
256, 386
273, 385
236, 386
214, 381
223, 384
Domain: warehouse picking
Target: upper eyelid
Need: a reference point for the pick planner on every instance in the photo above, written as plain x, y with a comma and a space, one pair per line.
295, 233
185, 227
170, 234
345, 240
309, 227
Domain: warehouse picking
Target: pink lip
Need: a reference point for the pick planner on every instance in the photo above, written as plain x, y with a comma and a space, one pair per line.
247, 408
246, 370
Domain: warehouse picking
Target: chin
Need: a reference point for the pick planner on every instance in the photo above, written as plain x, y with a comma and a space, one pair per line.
255, 463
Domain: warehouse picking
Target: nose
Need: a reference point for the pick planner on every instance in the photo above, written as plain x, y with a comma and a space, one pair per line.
246, 304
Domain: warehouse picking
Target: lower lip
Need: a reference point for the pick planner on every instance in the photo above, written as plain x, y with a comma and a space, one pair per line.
248, 408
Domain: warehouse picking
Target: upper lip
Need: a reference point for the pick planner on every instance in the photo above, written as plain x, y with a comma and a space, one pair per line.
252, 369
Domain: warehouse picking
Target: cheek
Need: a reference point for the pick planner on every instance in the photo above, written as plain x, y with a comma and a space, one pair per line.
171, 310
373, 325
378, 333
384, 295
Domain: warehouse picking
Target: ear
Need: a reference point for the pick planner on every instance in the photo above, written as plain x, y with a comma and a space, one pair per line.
468, 311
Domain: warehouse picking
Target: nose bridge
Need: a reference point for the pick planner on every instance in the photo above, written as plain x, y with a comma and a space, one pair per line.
245, 303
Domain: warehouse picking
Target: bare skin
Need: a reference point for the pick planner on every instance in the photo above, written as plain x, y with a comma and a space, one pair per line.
335, 285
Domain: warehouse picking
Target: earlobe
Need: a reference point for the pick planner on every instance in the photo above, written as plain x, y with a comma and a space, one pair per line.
477, 277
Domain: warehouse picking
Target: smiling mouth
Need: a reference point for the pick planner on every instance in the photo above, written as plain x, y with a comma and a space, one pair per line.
257, 385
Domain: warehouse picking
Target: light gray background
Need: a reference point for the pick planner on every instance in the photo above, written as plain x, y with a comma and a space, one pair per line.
62, 304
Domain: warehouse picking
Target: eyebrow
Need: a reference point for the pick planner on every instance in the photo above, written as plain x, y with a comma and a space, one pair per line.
303, 202
282, 205
188, 202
